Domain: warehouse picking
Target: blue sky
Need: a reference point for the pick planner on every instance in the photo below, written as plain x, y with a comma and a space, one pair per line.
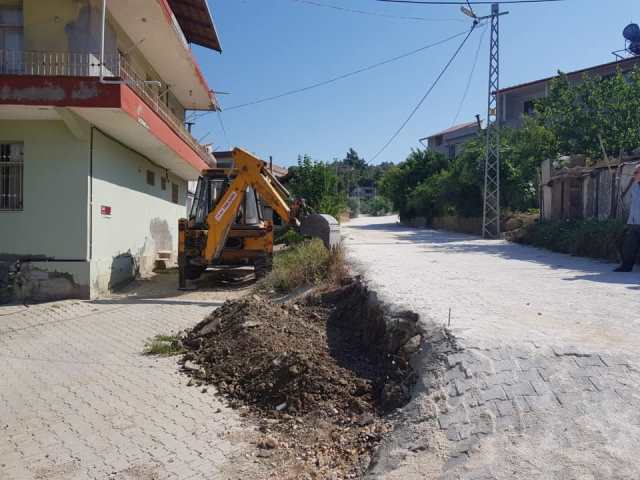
270, 46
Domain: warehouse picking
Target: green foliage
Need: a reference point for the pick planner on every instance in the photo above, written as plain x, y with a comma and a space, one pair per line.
327, 186
355, 207
377, 206
398, 183
585, 238
164, 345
288, 236
317, 183
426, 185
307, 263
575, 115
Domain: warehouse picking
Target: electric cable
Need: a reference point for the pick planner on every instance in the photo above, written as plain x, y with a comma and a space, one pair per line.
376, 14
428, 2
337, 78
468, 86
424, 97
224, 130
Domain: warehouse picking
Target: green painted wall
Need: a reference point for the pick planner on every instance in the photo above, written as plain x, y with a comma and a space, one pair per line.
54, 219
143, 218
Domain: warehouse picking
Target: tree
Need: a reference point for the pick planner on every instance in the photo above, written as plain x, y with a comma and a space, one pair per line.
399, 181
317, 183
578, 115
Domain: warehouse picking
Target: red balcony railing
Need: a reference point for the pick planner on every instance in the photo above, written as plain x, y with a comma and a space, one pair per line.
88, 65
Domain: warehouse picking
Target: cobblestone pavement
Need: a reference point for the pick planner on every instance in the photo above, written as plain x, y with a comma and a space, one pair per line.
78, 400
539, 377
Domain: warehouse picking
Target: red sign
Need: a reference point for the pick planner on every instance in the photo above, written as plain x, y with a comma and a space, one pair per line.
105, 210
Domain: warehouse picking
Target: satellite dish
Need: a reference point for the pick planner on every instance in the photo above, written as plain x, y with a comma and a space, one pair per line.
632, 32
634, 47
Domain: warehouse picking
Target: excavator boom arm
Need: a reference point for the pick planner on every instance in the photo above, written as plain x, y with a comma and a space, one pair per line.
251, 172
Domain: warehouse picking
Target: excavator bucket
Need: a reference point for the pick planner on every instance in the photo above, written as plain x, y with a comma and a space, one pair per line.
322, 226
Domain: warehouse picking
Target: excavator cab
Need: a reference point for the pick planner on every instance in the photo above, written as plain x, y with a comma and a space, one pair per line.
226, 225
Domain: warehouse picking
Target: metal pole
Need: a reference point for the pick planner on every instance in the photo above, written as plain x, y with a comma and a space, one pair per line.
491, 209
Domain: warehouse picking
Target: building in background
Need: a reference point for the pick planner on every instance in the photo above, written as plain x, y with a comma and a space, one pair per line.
449, 142
518, 101
93, 171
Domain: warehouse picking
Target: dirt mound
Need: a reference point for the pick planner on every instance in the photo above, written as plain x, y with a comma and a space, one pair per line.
317, 388
281, 358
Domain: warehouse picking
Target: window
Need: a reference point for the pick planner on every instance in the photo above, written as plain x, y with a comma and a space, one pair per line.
529, 107
11, 175
151, 178
163, 183
11, 39
175, 193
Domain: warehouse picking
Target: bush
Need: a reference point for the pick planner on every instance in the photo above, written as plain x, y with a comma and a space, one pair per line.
377, 206
354, 207
306, 263
288, 236
585, 238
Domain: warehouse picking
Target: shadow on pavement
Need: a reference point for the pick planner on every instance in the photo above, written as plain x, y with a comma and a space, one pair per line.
586, 269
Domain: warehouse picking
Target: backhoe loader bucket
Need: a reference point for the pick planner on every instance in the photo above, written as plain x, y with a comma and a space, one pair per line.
321, 226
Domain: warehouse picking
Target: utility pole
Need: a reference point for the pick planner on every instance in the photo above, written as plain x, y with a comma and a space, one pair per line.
491, 209
491, 204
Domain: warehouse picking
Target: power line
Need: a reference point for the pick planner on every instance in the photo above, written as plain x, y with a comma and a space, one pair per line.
339, 77
224, 130
427, 2
376, 14
468, 86
424, 97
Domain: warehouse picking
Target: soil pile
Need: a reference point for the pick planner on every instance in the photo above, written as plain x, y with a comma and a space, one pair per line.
278, 358
317, 390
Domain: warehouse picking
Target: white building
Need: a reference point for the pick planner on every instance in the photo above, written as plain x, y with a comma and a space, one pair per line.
93, 172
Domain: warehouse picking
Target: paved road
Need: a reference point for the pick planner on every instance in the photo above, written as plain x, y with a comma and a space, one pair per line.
78, 400
544, 378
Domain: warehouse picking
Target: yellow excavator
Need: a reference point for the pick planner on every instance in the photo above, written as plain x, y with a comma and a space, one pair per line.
227, 225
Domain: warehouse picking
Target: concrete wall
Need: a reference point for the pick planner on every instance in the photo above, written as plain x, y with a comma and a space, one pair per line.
54, 219
143, 218
53, 222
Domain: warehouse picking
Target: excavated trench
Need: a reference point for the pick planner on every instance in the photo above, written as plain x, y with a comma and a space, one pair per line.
320, 375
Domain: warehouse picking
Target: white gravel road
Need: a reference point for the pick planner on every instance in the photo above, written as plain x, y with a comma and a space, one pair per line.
498, 289
544, 382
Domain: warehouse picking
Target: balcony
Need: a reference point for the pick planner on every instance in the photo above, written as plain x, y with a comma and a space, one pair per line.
59, 64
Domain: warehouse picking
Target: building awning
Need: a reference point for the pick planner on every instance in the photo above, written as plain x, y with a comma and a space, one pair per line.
196, 22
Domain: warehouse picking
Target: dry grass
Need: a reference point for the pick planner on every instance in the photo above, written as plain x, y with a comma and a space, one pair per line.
307, 263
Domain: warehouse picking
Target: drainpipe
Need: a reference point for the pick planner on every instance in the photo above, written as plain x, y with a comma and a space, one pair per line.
102, 42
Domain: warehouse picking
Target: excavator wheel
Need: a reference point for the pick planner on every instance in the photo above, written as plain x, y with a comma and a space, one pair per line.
262, 266
193, 272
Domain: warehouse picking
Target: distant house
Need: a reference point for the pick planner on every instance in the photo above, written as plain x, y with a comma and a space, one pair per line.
518, 100
449, 142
